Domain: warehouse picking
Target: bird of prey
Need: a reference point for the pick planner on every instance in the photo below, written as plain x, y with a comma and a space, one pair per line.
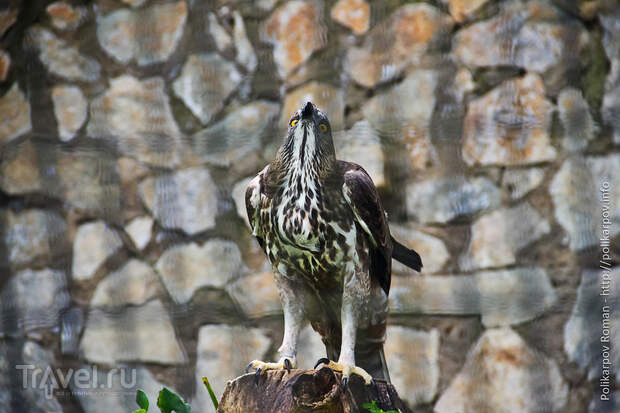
321, 223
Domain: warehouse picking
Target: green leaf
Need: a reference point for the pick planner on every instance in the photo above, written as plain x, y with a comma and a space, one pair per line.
169, 402
210, 390
140, 411
142, 400
376, 409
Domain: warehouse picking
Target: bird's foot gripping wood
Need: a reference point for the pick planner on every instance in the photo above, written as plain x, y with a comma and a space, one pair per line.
284, 363
346, 370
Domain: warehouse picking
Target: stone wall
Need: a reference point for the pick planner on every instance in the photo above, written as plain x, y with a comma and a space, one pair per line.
129, 129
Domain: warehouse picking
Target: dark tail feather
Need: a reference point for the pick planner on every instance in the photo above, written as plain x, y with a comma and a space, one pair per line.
406, 255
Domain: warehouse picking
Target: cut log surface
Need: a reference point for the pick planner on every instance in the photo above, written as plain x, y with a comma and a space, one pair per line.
299, 391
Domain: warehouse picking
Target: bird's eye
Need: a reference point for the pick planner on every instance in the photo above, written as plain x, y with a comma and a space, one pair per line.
323, 127
294, 122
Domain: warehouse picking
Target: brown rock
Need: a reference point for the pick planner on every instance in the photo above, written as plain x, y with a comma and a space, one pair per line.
328, 99
354, 14
296, 31
7, 18
14, 115
5, 65
509, 125
392, 45
462, 10
65, 16
19, 172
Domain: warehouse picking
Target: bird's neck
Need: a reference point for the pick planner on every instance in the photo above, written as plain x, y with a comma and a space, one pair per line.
304, 169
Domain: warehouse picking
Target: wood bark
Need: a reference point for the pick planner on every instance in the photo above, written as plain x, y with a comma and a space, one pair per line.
302, 391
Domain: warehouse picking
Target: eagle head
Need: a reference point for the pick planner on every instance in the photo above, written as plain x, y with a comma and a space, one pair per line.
309, 137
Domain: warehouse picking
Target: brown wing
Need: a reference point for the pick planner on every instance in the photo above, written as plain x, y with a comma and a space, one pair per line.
253, 194
361, 194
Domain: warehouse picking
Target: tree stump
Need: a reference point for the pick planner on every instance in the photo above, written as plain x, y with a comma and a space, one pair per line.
305, 391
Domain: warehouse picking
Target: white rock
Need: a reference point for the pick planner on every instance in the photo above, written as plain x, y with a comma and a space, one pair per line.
585, 327
494, 241
123, 382
32, 300
577, 122
576, 191
226, 350
33, 235
362, 145
443, 199
238, 136
206, 80
28, 360
413, 361
136, 115
61, 59
185, 199
149, 35
94, 243
245, 51
222, 39
503, 297
510, 125
310, 348
133, 284
403, 121
513, 296
256, 294
14, 115
140, 230
142, 334
437, 294
184, 269
520, 182
70, 109
503, 374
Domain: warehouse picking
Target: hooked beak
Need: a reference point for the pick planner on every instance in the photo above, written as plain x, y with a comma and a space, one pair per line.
307, 112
